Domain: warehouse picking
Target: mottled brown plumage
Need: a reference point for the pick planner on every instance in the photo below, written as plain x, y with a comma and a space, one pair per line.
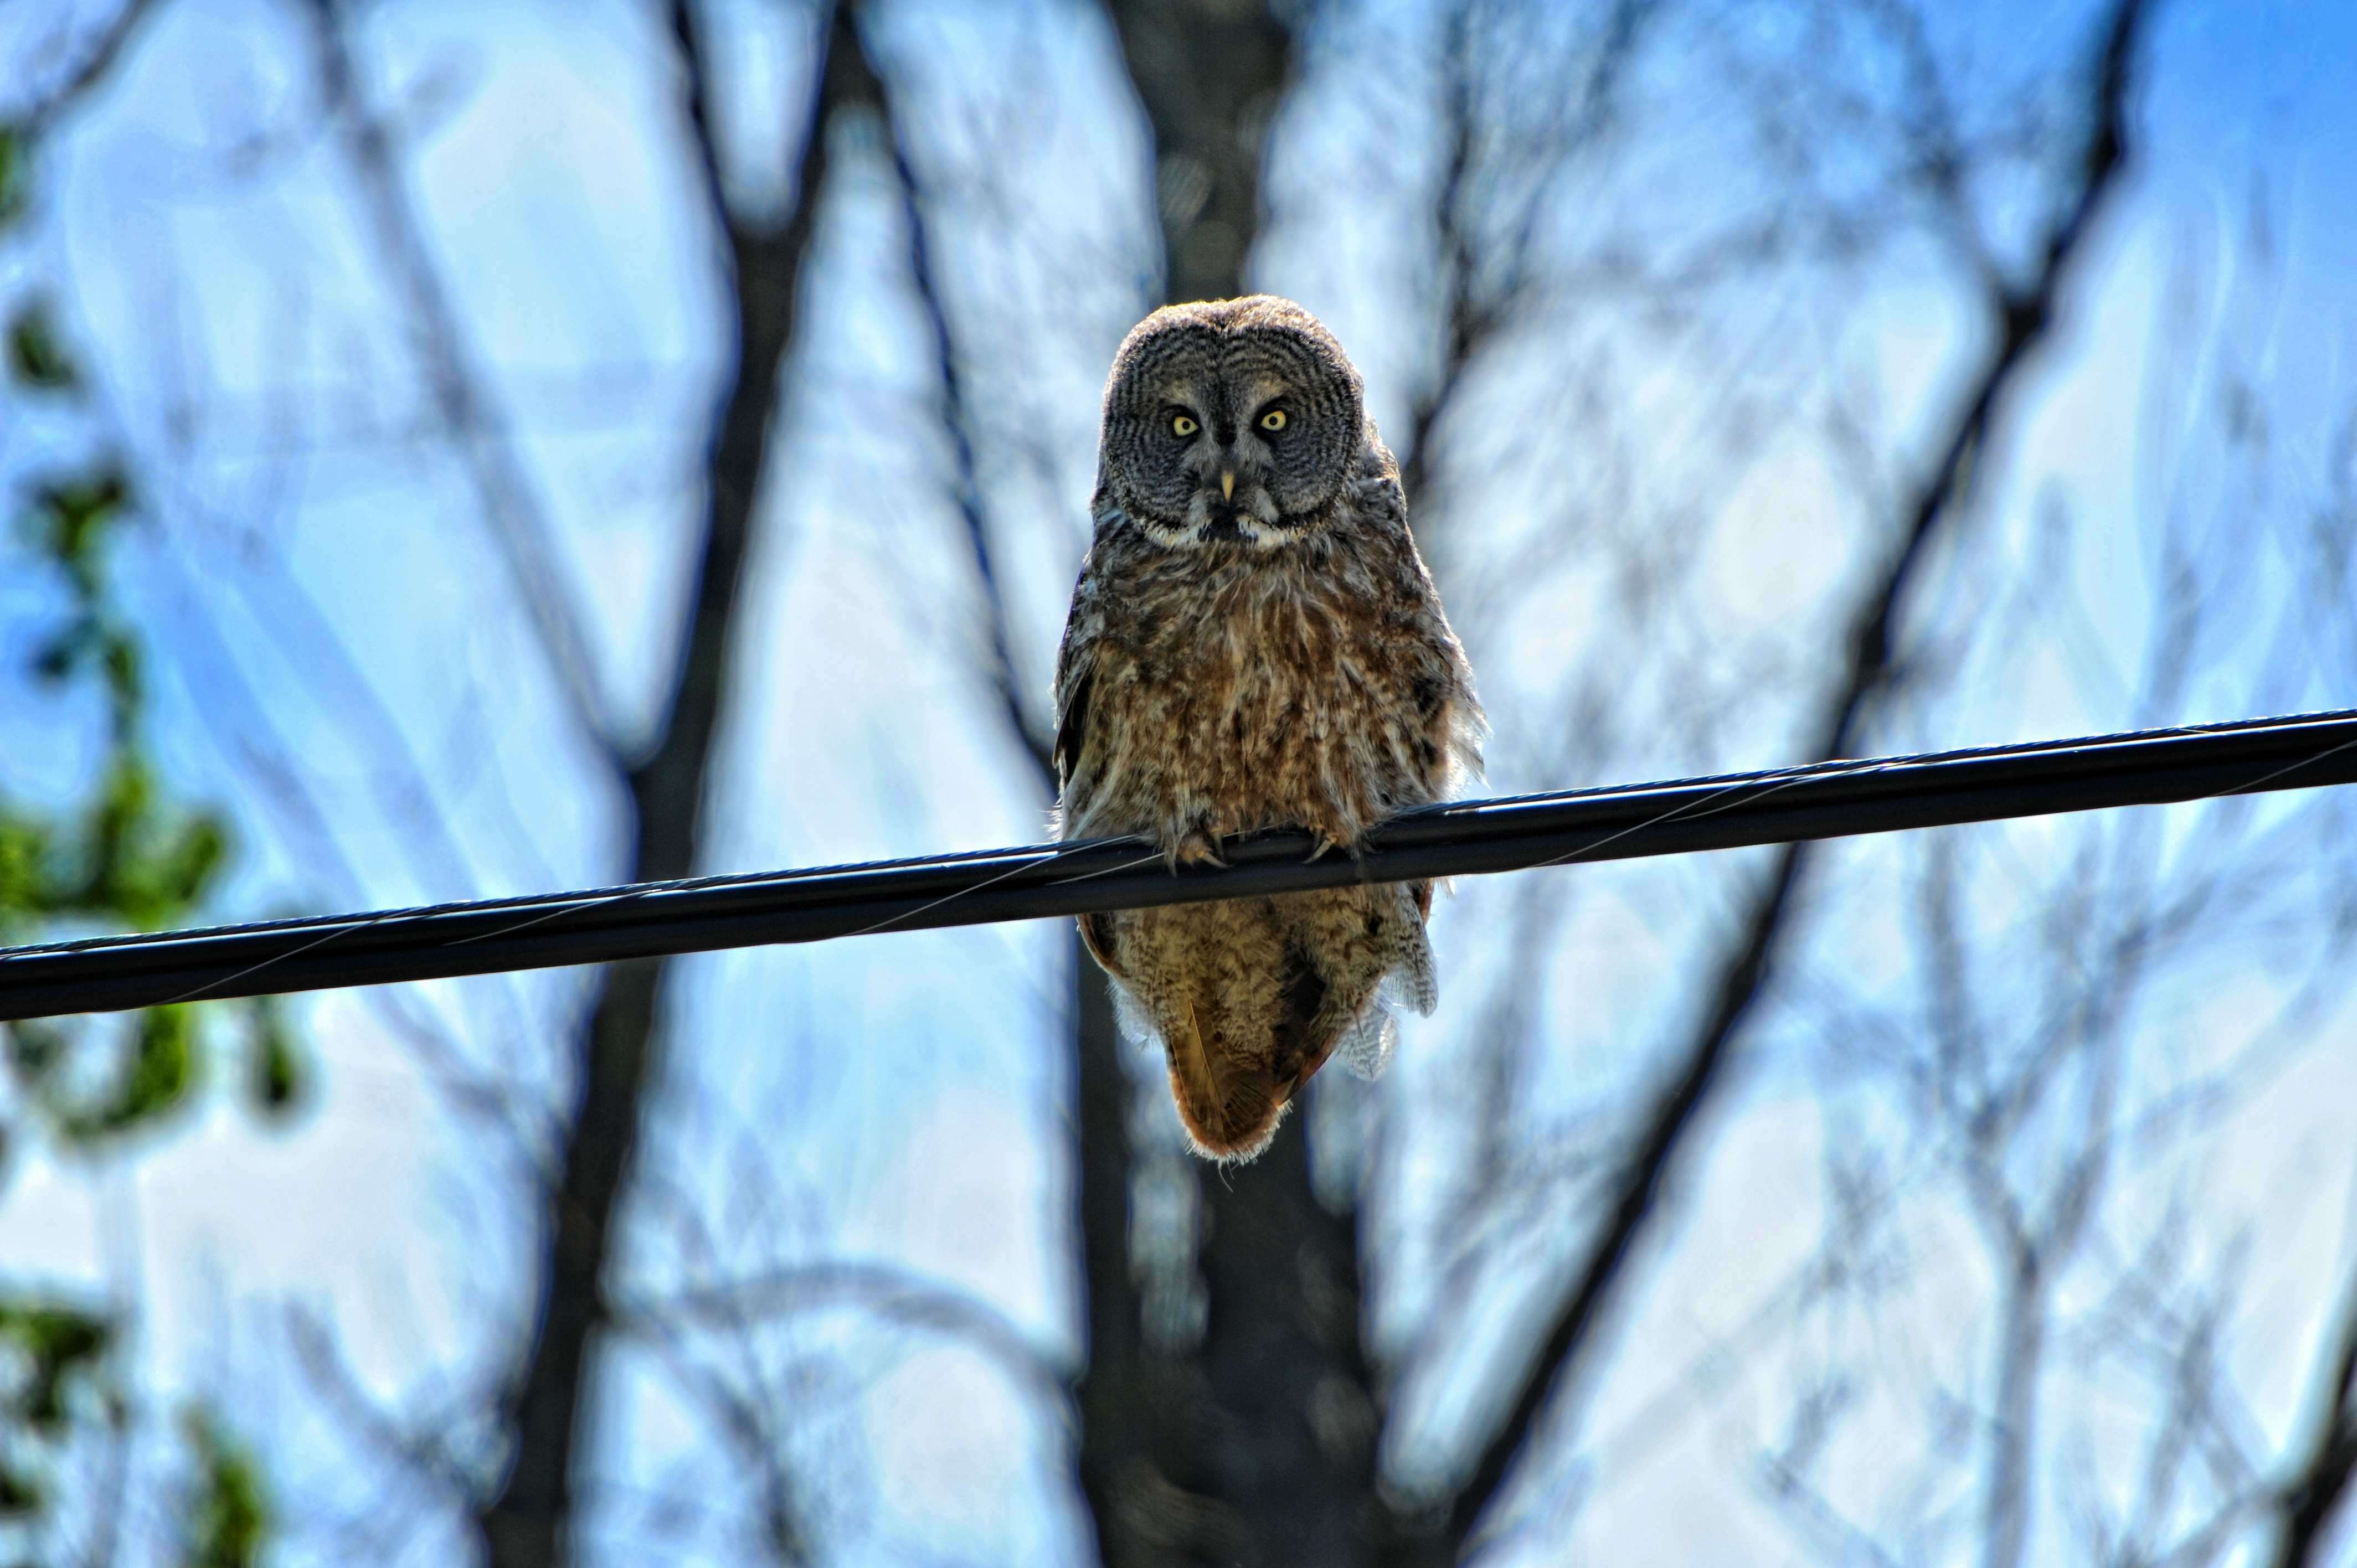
1254, 642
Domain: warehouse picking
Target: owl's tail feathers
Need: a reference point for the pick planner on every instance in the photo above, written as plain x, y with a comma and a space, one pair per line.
1411, 977
1230, 1103
1303, 1038
1409, 982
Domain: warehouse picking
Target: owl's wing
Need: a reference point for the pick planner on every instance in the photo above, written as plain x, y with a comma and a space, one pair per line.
1096, 935
1072, 721
1076, 671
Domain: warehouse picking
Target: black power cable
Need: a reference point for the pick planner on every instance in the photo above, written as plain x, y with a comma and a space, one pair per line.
1825, 800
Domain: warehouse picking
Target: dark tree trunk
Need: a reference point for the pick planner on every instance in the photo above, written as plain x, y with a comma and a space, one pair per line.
1209, 73
1256, 1446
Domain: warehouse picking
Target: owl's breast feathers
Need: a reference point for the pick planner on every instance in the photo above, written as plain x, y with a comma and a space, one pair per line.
1224, 689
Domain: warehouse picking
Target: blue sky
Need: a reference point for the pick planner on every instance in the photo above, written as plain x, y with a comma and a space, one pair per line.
342, 640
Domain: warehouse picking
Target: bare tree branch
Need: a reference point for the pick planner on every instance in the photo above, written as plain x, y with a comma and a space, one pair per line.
1482, 300
886, 1291
1035, 733
83, 78
468, 410
416, 1449
2306, 1500
2025, 312
526, 1523
305, 825
751, 1422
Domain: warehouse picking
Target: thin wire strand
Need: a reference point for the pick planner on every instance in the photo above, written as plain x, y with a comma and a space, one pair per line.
1693, 811
2262, 783
232, 979
905, 915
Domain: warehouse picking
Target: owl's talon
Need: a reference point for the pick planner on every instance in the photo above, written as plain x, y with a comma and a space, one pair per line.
1198, 848
1327, 843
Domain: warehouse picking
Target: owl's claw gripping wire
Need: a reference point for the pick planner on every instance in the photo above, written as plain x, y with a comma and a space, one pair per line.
1197, 848
1327, 843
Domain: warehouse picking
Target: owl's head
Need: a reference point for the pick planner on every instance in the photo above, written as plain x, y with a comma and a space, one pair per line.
1231, 420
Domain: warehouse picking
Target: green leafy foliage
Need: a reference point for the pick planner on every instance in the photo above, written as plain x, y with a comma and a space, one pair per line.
35, 358
51, 1353
276, 1081
154, 1081
57, 1342
125, 857
228, 1511
13, 173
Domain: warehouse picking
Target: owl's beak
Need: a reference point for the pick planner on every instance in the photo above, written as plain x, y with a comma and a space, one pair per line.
1227, 484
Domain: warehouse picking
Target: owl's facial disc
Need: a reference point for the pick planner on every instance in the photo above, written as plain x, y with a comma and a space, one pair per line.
1233, 423
1227, 454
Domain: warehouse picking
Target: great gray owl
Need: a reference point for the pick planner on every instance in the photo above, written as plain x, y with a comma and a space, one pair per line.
1254, 642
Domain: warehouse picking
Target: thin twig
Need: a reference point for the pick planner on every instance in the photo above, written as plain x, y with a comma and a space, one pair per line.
460, 391
30, 122
964, 483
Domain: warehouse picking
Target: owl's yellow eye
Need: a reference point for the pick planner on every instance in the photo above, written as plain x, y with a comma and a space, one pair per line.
1272, 420
1182, 425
